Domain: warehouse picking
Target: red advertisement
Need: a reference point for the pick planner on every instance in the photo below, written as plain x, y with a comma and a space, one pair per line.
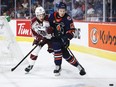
103, 36
23, 28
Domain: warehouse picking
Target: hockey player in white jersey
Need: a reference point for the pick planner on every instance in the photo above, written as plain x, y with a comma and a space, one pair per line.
40, 31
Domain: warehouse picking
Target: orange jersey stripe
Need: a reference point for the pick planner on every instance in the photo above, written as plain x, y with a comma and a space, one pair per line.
58, 58
57, 54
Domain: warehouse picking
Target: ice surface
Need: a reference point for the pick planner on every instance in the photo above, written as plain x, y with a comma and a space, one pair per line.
100, 72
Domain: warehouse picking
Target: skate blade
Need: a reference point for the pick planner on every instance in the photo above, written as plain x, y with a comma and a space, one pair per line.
57, 74
26, 72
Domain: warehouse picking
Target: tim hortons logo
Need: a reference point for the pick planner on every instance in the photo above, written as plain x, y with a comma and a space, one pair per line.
23, 29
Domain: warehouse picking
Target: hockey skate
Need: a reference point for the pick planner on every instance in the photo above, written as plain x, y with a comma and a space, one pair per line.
57, 70
82, 70
27, 69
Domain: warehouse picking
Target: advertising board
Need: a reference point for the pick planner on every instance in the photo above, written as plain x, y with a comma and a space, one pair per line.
23, 28
102, 36
82, 38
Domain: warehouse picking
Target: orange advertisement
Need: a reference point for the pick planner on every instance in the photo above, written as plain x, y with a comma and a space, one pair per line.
23, 28
102, 36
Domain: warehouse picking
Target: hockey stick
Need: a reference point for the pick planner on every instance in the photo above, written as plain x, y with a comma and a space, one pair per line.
80, 67
23, 59
73, 55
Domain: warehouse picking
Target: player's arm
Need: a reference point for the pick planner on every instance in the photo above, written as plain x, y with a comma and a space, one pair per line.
70, 29
34, 28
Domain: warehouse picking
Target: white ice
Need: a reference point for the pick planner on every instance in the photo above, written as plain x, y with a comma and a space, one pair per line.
100, 72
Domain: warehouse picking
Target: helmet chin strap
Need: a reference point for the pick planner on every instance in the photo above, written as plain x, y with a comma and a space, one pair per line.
39, 21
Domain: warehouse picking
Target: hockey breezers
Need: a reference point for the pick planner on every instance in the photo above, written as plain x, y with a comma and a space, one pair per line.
24, 58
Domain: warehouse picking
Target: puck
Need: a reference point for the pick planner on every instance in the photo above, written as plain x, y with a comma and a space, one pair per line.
111, 84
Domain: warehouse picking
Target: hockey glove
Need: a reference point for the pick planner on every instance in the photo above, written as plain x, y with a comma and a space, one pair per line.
50, 49
35, 42
40, 42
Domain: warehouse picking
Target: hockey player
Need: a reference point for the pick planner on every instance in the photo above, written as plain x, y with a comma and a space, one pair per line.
40, 30
63, 32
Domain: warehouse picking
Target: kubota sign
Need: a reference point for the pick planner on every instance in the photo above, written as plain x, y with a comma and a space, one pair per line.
102, 36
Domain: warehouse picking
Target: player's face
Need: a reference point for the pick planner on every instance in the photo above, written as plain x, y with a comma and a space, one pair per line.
61, 12
41, 17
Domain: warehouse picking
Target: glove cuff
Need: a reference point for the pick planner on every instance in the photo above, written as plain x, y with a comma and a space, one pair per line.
69, 36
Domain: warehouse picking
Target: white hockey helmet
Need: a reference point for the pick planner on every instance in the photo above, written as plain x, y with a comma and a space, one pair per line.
39, 11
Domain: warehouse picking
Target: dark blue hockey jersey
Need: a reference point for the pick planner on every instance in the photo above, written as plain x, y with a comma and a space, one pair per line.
62, 25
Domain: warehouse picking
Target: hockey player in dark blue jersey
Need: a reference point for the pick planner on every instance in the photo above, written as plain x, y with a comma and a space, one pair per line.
64, 31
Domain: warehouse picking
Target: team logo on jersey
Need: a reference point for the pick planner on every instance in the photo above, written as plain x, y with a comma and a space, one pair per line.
58, 28
69, 18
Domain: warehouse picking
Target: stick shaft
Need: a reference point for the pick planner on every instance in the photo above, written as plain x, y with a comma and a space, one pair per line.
23, 59
72, 54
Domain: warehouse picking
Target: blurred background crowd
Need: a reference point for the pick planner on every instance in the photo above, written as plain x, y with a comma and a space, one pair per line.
80, 10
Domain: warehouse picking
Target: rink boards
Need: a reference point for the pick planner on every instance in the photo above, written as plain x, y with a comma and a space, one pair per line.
93, 38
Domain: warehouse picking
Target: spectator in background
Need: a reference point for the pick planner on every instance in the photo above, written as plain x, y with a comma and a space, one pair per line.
69, 6
49, 6
19, 10
83, 6
98, 6
22, 16
25, 4
27, 16
35, 4
90, 11
77, 12
12, 13
56, 3
5, 14
91, 16
38, 3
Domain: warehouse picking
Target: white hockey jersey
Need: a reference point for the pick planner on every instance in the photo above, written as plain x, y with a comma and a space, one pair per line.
39, 28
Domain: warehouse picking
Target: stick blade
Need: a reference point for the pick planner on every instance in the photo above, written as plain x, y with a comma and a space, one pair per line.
13, 69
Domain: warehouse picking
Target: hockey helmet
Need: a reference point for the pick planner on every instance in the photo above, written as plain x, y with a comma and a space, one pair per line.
62, 5
39, 11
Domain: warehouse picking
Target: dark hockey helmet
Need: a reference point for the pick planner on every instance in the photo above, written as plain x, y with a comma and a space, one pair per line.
62, 5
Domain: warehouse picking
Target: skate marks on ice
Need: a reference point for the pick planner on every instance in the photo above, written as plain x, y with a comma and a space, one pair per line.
100, 73
92, 83
70, 78
19, 79
6, 81
74, 80
43, 76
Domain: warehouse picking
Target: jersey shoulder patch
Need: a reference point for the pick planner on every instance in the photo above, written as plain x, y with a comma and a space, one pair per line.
69, 18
